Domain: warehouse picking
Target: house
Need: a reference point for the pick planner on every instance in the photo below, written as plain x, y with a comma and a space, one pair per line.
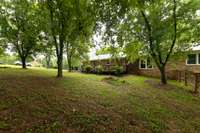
107, 62
146, 66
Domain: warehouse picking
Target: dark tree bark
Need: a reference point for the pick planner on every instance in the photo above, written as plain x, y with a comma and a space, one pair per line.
59, 52
69, 56
163, 77
23, 59
59, 45
22, 54
48, 61
60, 66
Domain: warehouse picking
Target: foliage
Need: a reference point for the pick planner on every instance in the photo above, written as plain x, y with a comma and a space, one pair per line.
87, 68
117, 70
71, 24
20, 26
99, 69
78, 42
76, 51
163, 27
155, 28
1, 50
8, 59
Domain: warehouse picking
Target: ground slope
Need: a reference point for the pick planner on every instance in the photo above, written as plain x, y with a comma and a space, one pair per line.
33, 100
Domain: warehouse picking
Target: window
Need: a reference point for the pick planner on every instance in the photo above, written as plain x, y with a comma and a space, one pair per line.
192, 59
142, 64
199, 58
145, 64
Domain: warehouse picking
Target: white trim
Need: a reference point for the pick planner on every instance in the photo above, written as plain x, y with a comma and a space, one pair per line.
140, 64
146, 66
197, 60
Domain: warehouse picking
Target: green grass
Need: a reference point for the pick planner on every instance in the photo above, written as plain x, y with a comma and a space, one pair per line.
33, 100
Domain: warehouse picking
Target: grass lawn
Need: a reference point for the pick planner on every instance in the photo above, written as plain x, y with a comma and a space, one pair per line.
33, 100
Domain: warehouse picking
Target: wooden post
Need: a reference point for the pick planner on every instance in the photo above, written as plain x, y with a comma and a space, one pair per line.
179, 76
196, 83
185, 78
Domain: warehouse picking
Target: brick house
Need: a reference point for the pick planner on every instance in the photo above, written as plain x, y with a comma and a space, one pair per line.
107, 62
146, 67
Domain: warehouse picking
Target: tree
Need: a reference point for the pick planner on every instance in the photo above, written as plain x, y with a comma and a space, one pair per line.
110, 14
61, 18
2, 40
159, 26
156, 45
78, 42
67, 19
76, 50
46, 47
20, 27
156, 28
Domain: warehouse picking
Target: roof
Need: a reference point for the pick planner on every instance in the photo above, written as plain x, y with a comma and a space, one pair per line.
100, 57
196, 48
94, 57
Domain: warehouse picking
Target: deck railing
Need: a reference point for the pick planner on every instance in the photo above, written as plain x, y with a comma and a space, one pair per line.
189, 77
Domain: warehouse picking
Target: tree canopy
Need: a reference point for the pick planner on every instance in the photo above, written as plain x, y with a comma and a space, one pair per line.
134, 28
20, 27
156, 28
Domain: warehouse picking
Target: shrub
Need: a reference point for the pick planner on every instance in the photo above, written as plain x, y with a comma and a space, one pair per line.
117, 70
99, 69
88, 68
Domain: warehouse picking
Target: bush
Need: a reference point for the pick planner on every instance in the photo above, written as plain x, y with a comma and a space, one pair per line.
87, 68
99, 69
117, 70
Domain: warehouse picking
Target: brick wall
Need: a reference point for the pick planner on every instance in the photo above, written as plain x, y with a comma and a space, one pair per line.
171, 68
133, 68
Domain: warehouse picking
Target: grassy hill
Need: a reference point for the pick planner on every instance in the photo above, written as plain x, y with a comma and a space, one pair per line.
33, 100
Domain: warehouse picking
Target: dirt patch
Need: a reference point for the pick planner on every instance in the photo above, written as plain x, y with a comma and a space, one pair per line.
114, 81
158, 85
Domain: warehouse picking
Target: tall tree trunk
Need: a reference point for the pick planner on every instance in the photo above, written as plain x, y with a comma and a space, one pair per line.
23, 59
163, 77
60, 66
69, 64
48, 60
59, 51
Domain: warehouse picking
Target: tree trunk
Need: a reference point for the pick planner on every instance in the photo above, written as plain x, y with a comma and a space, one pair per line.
60, 66
69, 64
163, 78
48, 60
23, 59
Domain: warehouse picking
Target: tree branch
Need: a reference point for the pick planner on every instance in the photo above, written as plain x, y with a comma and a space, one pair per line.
175, 32
153, 54
52, 27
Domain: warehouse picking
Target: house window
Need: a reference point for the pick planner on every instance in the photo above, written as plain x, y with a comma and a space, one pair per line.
192, 59
199, 58
145, 64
